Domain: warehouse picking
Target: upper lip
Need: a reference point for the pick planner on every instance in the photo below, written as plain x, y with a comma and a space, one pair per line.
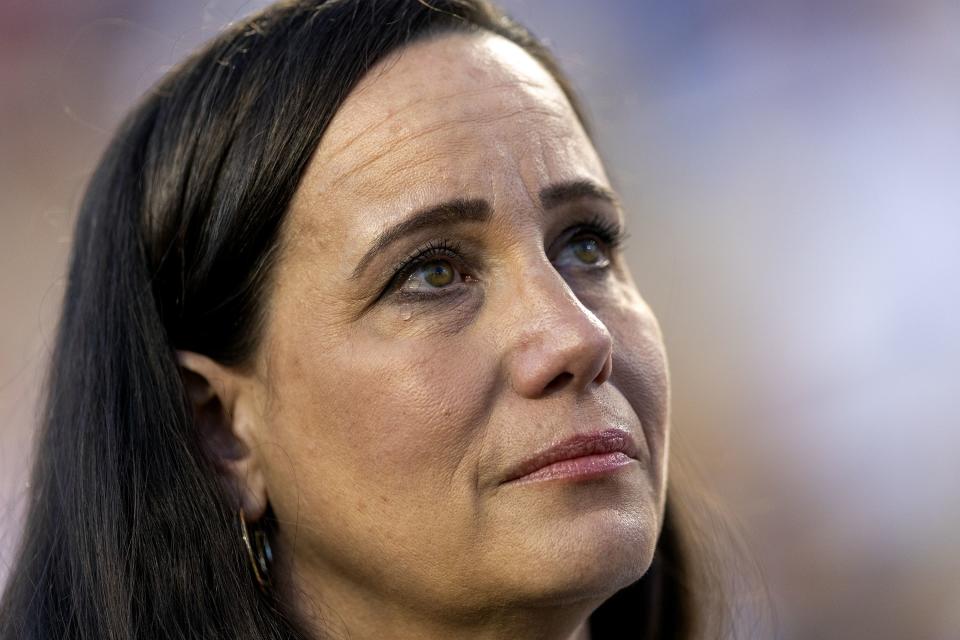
579, 445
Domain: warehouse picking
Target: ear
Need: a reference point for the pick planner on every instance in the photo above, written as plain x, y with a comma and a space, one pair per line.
228, 420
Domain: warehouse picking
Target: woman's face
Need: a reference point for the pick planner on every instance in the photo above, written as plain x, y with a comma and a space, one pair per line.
394, 407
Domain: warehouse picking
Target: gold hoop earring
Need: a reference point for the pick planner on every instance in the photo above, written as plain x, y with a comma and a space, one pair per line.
258, 552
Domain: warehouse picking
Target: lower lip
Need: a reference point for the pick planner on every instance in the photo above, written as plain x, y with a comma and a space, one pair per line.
583, 468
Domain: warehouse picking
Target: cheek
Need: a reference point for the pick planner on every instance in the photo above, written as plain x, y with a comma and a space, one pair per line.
378, 432
385, 412
640, 369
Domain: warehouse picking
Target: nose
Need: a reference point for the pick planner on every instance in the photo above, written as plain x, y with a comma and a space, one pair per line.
558, 342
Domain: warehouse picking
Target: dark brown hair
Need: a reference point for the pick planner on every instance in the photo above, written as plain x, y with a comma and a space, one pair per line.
128, 534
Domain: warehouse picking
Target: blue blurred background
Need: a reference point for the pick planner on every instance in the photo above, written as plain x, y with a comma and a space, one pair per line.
792, 177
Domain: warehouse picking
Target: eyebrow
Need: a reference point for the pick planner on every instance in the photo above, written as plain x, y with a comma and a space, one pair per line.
557, 194
461, 210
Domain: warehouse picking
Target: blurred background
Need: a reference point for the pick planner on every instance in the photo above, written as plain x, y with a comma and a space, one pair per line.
792, 177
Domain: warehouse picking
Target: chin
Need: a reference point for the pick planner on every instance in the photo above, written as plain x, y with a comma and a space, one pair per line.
588, 558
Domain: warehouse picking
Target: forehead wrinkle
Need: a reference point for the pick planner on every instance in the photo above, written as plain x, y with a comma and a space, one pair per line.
434, 129
391, 181
333, 153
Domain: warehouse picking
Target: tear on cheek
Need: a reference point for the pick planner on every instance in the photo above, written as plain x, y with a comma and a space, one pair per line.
446, 317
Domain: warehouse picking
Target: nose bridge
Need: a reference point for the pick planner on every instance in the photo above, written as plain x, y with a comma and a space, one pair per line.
558, 340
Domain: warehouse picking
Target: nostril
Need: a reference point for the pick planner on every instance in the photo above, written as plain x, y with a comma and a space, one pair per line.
558, 382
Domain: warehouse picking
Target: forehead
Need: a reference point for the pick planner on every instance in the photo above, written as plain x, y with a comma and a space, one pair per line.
455, 116
446, 86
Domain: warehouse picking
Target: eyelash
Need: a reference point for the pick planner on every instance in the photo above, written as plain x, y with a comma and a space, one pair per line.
611, 233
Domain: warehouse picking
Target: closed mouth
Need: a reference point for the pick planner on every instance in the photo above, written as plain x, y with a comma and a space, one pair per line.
593, 452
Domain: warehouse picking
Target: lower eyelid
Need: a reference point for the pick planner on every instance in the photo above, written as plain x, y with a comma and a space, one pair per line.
448, 294
456, 310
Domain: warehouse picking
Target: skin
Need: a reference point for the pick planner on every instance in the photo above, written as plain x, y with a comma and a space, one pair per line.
380, 430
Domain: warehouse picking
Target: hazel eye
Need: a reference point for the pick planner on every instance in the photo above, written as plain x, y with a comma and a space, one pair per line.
437, 273
594, 242
588, 250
